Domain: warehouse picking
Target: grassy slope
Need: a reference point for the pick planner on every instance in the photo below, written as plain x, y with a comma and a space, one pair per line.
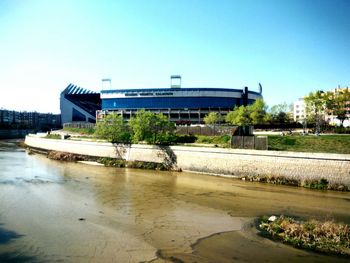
86, 131
324, 143
295, 143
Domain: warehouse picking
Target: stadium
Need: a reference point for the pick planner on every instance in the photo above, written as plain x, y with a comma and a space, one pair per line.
79, 105
181, 105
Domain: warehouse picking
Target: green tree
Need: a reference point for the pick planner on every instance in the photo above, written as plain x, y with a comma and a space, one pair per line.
239, 116
113, 128
337, 103
152, 128
258, 112
280, 113
213, 118
315, 104
248, 115
139, 125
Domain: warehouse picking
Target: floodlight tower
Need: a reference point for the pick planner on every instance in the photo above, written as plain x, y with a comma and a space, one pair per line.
106, 84
175, 81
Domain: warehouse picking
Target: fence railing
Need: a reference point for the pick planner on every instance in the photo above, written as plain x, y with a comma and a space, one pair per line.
204, 130
83, 125
249, 142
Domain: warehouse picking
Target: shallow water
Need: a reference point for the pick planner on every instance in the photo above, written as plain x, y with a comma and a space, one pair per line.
53, 211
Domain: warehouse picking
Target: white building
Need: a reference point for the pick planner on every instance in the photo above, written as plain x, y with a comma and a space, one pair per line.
299, 111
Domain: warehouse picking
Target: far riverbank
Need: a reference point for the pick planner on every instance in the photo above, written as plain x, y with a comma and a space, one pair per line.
247, 164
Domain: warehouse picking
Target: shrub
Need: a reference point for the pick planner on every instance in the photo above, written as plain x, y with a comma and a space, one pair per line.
152, 128
321, 184
113, 128
120, 163
328, 236
147, 165
185, 138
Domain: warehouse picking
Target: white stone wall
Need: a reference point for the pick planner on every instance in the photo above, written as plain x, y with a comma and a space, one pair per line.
228, 162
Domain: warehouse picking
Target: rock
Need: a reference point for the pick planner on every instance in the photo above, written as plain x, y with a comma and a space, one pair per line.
341, 188
272, 218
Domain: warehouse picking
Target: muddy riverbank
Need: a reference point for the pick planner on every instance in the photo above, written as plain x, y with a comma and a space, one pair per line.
70, 212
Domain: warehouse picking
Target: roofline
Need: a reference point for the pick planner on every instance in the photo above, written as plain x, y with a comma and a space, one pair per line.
254, 92
173, 89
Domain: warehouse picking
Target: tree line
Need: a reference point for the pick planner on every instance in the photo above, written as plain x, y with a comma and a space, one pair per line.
157, 129
154, 128
253, 114
319, 104
144, 126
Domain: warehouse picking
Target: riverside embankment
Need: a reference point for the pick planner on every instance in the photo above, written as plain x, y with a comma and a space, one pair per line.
335, 168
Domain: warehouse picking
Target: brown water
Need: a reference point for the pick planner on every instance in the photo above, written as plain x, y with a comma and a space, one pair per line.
52, 211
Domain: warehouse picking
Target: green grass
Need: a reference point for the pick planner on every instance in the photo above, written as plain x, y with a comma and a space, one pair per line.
310, 143
294, 143
319, 184
222, 140
53, 136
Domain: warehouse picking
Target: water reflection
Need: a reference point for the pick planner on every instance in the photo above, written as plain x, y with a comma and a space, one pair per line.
6, 236
6, 256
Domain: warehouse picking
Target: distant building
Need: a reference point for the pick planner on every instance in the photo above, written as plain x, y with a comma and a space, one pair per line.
300, 114
331, 118
28, 120
299, 110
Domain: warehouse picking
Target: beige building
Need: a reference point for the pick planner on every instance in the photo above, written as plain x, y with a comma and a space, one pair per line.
332, 119
299, 111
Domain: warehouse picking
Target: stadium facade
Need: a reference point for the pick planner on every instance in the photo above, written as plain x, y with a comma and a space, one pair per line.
79, 105
181, 105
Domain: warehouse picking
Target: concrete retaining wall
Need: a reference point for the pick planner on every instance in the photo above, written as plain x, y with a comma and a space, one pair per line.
228, 162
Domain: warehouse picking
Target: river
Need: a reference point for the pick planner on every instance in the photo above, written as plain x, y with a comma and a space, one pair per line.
53, 211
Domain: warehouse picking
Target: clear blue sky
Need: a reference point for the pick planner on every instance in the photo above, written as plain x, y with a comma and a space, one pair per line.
291, 47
